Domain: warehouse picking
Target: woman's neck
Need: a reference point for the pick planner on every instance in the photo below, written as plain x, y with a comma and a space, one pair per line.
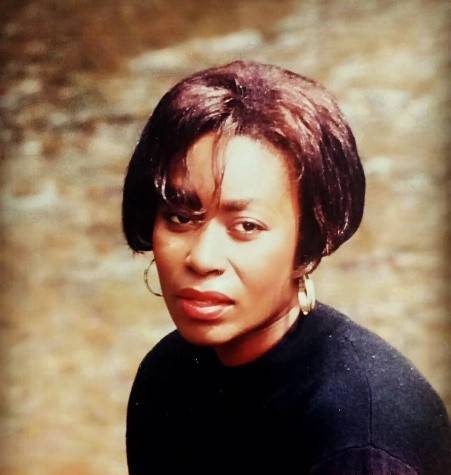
250, 346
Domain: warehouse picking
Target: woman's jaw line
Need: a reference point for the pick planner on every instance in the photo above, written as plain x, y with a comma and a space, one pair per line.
248, 347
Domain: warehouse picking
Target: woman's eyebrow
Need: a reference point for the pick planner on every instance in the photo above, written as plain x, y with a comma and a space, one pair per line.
182, 196
235, 205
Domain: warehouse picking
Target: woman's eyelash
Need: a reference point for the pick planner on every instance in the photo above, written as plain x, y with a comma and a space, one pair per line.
181, 218
249, 226
245, 227
178, 217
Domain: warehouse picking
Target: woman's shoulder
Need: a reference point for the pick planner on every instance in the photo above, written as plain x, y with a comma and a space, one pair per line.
372, 359
373, 394
391, 379
169, 350
165, 361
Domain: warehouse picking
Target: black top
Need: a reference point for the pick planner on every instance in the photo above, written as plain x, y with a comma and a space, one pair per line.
331, 398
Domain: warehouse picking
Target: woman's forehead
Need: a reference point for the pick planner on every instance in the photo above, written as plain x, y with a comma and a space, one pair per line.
239, 169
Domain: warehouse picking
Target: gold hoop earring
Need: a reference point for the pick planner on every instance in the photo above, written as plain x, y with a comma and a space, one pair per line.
306, 294
146, 279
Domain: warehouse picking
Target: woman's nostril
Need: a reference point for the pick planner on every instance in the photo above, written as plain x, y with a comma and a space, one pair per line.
205, 255
204, 263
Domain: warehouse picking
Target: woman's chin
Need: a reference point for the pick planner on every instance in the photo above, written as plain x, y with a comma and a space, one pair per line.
204, 336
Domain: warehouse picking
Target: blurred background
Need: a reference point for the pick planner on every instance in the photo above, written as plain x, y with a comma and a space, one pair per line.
79, 79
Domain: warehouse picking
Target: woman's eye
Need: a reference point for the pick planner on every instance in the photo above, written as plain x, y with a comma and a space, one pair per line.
248, 227
178, 219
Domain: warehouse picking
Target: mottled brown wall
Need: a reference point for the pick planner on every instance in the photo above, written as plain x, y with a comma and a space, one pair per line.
78, 81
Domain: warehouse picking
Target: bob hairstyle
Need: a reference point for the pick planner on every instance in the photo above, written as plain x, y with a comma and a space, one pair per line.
293, 113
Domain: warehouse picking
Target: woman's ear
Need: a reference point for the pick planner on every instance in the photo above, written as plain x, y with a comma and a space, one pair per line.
297, 273
303, 269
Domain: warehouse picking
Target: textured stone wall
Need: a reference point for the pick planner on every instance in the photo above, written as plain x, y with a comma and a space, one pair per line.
78, 81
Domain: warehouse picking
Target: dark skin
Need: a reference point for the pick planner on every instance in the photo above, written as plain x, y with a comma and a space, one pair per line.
243, 246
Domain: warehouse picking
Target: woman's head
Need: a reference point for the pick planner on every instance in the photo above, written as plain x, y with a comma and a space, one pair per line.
245, 176
242, 246
293, 114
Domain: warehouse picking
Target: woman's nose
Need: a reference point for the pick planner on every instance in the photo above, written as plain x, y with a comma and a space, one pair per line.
206, 253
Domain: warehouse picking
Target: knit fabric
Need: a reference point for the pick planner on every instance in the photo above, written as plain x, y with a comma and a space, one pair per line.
331, 398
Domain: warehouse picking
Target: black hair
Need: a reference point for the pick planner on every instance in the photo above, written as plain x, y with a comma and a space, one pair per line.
293, 113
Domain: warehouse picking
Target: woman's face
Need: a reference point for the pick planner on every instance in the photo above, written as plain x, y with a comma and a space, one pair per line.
242, 249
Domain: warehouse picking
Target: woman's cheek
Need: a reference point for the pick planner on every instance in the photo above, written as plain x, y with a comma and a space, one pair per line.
168, 254
260, 265
165, 242
278, 261
274, 251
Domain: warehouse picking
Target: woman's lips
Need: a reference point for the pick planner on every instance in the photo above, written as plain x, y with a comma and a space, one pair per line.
202, 310
203, 305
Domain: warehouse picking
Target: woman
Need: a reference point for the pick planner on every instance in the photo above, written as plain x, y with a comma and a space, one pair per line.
245, 176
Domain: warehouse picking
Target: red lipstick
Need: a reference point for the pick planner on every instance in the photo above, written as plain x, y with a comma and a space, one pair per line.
206, 305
